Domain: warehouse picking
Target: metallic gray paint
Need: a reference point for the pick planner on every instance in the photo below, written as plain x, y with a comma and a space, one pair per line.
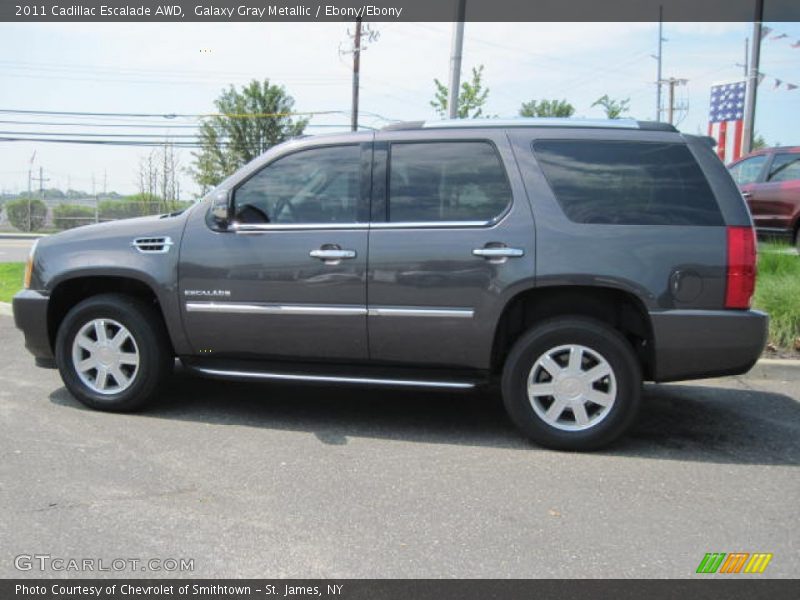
405, 297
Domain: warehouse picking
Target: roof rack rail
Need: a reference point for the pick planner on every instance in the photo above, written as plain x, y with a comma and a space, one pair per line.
532, 122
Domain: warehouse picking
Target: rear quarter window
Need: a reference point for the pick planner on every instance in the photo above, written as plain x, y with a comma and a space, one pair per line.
627, 183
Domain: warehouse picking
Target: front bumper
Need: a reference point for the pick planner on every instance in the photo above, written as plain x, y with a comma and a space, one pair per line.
30, 316
693, 344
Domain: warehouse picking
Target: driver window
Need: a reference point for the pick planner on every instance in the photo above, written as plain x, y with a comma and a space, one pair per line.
320, 185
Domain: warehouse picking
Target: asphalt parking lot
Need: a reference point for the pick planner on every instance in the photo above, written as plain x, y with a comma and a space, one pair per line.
287, 481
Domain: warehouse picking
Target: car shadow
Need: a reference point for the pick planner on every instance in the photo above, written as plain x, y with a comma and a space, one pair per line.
677, 422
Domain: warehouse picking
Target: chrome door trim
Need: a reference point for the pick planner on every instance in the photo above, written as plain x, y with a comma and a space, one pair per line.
324, 310
259, 227
270, 375
397, 311
432, 225
275, 309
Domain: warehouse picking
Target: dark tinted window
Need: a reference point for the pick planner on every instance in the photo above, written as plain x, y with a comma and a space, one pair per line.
785, 167
319, 185
446, 181
632, 183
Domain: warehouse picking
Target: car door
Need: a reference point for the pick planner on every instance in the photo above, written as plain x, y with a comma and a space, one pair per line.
748, 174
451, 231
778, 196
287, 278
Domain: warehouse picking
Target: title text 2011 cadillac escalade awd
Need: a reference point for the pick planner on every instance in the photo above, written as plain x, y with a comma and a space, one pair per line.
569, 260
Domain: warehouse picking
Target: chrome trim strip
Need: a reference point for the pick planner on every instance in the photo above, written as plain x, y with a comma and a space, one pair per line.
386, 311
259, 227
274, 309
432, 225
337, 379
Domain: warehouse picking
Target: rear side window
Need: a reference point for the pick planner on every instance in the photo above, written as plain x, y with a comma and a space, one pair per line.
748, 170
446, 181
785, 167
627, 183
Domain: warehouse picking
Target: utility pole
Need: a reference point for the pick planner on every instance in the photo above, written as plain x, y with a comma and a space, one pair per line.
30, 178
356, 69
672, 82
357, 48
752, 80
658, 58
455, 59
41, 179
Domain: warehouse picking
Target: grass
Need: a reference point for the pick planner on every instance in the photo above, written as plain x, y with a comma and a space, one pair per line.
778, 293
10, 280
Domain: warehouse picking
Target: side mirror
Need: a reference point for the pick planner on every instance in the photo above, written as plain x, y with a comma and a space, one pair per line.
219, 214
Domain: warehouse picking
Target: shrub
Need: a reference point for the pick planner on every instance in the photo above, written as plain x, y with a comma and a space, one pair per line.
17, 211
67, 216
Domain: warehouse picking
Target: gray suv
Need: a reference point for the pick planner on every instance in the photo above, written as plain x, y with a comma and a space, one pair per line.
566, 260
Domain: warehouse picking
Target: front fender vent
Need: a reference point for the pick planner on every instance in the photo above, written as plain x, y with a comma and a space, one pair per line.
152, 245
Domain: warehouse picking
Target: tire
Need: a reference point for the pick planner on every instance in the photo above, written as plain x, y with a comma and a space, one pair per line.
557, 421
128, 385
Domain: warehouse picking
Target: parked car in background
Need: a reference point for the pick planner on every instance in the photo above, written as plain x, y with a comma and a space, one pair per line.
770, 182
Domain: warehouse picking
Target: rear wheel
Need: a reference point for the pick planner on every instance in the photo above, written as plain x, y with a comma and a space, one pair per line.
572, 384
113, 352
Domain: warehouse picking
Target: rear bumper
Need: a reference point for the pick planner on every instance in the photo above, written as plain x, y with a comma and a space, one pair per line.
30, 316
693, 344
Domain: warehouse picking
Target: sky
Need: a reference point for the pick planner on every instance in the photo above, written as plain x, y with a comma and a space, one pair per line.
166, 68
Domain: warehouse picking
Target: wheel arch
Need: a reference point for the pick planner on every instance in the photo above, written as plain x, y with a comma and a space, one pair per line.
69, 291
620, 309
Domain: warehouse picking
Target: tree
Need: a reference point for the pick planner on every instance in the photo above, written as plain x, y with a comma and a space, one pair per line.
546, 108
250, 121
614, 108
759, 142
18, 214
471, 98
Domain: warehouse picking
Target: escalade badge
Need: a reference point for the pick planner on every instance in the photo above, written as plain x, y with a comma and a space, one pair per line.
212, 293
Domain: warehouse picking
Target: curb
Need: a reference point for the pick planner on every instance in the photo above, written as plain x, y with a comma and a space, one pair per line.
21, 236
5, 309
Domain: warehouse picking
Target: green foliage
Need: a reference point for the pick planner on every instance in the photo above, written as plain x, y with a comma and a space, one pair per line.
17, 211
11, 275
546, 108
471, 98
614, 108
67, 216
778, 292
229, 142
759, 142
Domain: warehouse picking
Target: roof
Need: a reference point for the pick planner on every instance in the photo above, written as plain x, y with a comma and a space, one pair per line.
532, 122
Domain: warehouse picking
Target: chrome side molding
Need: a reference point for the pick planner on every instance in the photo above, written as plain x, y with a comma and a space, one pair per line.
277, 376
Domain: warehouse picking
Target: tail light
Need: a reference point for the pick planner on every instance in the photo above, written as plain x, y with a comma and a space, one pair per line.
741, 280
26, 282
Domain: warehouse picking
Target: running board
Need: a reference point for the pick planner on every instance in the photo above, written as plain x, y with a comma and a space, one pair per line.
278, 376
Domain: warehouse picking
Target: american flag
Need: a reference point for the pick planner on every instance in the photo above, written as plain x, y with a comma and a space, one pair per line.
726, 118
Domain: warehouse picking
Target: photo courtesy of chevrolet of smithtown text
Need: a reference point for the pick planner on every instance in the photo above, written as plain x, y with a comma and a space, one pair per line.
418, 299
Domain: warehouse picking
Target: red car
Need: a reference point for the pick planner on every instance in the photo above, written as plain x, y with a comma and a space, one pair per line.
770, 182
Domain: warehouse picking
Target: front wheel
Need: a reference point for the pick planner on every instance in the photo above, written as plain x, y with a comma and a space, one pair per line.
112, 352
572, 384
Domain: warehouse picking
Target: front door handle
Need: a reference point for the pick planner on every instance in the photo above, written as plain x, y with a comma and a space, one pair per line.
747, 194
332, 255
498, 253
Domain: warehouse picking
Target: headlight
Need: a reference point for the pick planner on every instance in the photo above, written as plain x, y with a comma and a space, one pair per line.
29, 266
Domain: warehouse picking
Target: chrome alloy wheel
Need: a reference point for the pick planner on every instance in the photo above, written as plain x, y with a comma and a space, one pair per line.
572, 387
105, 356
